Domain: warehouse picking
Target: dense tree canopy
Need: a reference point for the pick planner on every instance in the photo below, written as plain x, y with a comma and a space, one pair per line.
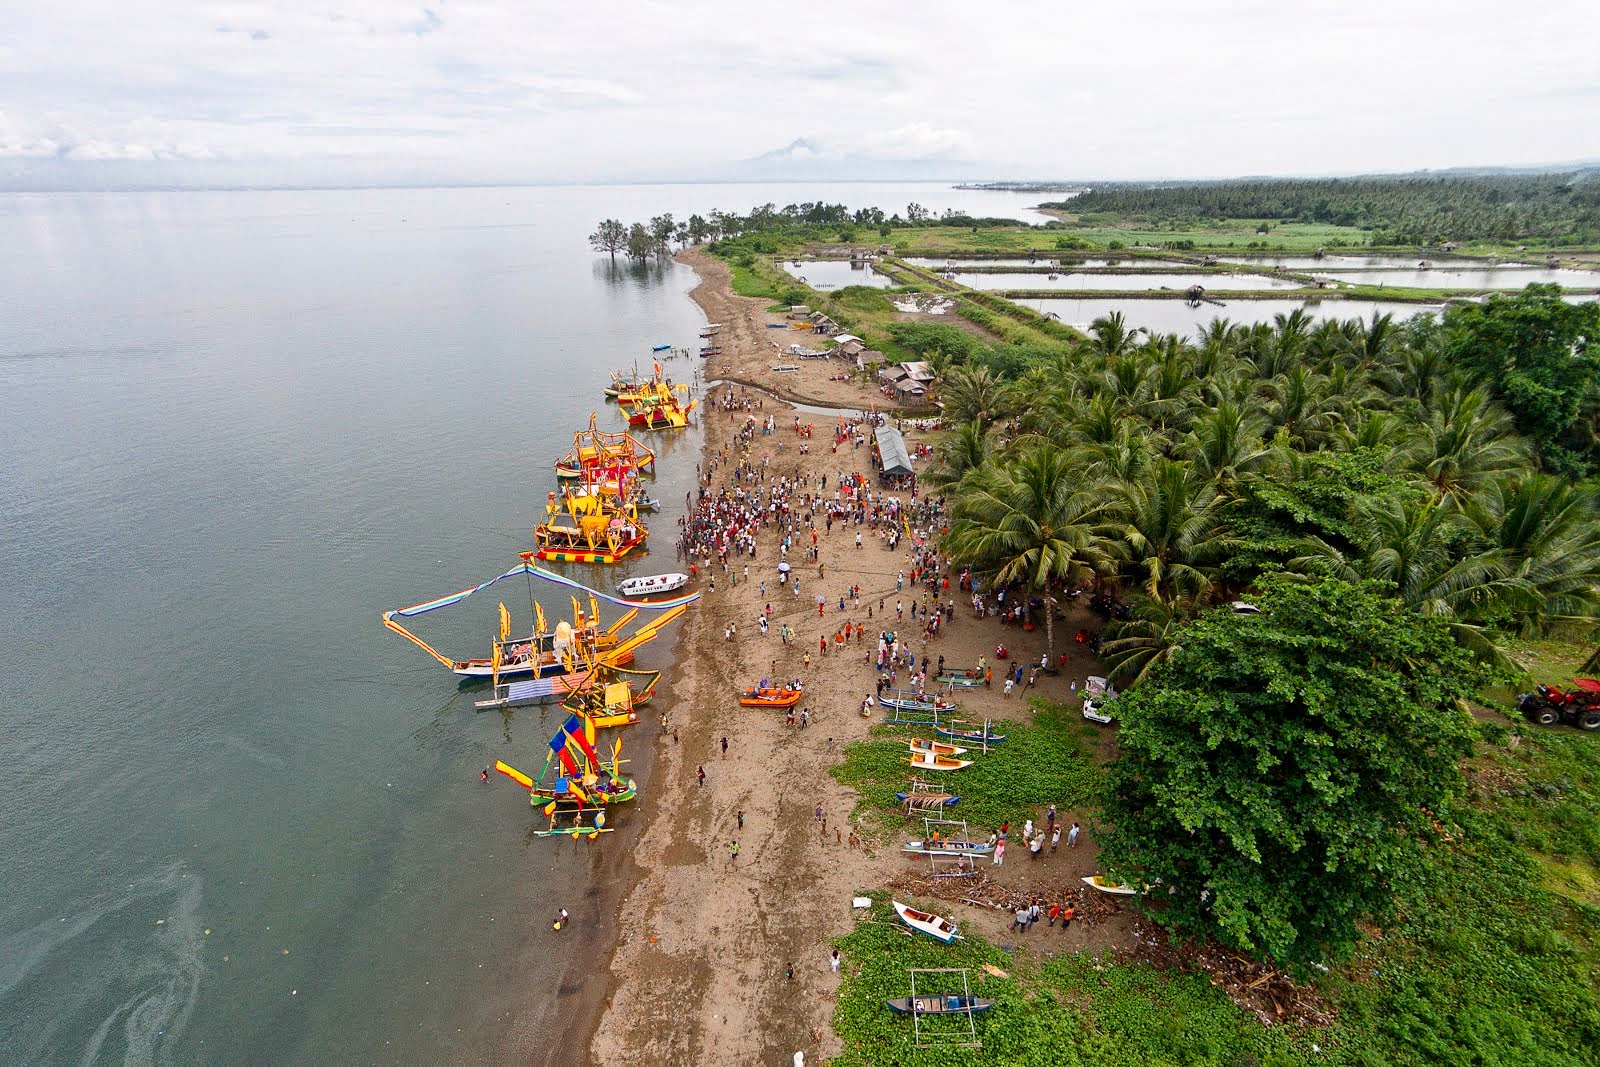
1281, 772
1556, 207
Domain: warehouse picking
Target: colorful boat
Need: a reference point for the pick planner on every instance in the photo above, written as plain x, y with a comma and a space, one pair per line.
613, 696
925, 744
770, 697
932, 761
961, 678
940, 1004
975, 737
663, 415
903, 700
594, 449
930, 847
935, 926
588, 529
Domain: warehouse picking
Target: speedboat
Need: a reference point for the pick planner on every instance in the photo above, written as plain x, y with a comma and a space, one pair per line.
652, 584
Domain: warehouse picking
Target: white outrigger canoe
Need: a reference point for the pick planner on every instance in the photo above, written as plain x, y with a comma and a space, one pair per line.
932, 761
1106, 885
943, 748
929, 847
652, 584
935, 926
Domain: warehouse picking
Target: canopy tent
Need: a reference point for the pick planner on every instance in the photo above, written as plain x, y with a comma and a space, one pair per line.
892, 452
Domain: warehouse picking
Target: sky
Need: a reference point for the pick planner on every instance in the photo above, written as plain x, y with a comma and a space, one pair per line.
360, 91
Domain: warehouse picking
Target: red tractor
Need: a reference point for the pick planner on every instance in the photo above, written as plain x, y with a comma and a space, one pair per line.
1578, 707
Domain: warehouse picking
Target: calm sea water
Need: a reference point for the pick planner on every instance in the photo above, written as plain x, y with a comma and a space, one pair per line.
242, 822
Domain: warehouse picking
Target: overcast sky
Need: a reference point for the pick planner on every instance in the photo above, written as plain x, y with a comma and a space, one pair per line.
499, 90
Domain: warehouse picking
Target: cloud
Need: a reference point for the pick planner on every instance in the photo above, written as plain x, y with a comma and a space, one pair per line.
533, 90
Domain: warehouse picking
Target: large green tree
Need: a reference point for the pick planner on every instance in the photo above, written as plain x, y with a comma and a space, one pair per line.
1541, 356
1281, 773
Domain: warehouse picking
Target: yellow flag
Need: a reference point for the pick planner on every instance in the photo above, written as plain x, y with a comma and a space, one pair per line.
494, 664
538, 613
594, 610
505, 622
577, 612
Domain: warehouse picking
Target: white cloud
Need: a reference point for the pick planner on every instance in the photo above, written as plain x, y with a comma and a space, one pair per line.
496, 90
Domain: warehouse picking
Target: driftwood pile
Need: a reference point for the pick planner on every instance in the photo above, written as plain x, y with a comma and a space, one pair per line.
1257, 986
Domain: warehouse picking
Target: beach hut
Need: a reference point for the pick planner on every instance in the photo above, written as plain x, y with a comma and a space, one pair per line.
894, 459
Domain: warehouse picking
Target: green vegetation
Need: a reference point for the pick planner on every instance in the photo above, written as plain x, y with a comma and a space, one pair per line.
1560, 209
1282, 771
1071, 1011
1040, 763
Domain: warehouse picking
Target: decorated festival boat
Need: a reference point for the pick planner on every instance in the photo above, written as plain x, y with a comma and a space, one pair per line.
588, 529
594, 449
669, 411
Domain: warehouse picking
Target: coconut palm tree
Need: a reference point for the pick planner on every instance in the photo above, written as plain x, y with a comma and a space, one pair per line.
1134, 646
1466, 439
1170, 530
975, 393
1546, 532
1225, 443
1031, 519
960, 453
1109, 337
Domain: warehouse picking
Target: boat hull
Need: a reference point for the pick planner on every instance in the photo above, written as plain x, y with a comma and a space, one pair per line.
940, 1005
568, 554
1116, 888
972, 737
770, 698
925, 761
948, 848
935, 926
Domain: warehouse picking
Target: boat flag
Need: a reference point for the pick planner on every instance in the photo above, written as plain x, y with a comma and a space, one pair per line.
494, 661
505, 621
582, 732
538, 612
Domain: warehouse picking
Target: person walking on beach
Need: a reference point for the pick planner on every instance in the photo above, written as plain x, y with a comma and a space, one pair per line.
835, 961
1019, 921
1033, 845
1072, 836
1066, 917
561, 920
999, 852
724, 748
1055, 913
741, 819
701, 774
733, 853
1055, 838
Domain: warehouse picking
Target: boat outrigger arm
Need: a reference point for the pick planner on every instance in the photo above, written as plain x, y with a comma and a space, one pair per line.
673, 608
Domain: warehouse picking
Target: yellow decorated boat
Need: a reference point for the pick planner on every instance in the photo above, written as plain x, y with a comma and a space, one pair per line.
588, 528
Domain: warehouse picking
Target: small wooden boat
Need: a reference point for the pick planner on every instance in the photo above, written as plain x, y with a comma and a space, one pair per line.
652, 584
929, 847
1106, 885
943, 800
940, 1004
963, 679
925, 744
770, 697
935, 926
932, 761
975, 737
899, 700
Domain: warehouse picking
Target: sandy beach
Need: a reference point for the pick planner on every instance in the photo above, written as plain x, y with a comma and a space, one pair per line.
701, 972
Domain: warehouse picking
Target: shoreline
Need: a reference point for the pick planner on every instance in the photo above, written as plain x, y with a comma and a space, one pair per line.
720, 961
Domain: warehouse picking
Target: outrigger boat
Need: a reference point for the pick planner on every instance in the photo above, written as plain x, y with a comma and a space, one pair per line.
614, 697
924, 744
964, 678
770, 697
588, 529
653, 584
935, 926
940, 1004
555, 661
940, 800
930, 847
932, 761
907, 700
975, 737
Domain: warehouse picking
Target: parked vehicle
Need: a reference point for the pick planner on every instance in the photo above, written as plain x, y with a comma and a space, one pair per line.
1579, 706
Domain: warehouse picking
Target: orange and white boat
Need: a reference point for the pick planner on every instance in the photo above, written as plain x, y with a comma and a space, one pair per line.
769, 697
932, 761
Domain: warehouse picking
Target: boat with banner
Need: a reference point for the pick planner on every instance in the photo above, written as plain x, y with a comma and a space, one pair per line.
652, 584
558, 660
594, 449
588, 529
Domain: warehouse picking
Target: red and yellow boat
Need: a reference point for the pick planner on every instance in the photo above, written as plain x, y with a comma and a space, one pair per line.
588, 528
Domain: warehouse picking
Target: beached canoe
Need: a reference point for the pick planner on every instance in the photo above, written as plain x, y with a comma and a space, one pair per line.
971, 737
940, 1004
935, 926
961, 679
911, 702
932, 761
927, 744
928, 847
651, 584
770, 698
1106, 885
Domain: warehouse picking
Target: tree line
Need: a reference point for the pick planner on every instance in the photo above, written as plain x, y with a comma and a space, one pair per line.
1364, 485
1551, 207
